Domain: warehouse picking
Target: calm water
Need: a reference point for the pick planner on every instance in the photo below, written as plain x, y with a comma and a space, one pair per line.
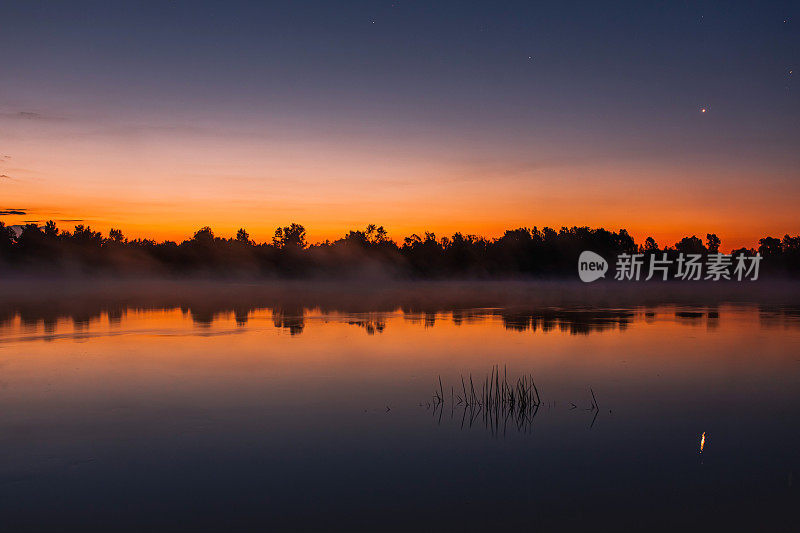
298, 419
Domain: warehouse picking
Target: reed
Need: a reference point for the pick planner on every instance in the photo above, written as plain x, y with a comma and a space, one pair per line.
495, 399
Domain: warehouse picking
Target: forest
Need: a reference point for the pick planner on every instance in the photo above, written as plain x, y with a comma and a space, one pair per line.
35, 249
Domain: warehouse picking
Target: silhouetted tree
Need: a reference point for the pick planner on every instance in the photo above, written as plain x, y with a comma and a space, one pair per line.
712, 243
36, 247
518, 252
770, 246
204, 235
50, 229
650, 246
243, 237
690, 245
115, 235
7, 237
293, 235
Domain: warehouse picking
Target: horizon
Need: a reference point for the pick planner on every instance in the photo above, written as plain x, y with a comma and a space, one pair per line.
396, 239
265, 236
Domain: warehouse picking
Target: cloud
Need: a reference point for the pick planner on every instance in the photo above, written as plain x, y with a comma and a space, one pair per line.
12, 211
27, 115
6, 176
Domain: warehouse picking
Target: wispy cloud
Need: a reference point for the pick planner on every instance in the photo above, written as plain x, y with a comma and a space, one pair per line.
12, 211
28, 115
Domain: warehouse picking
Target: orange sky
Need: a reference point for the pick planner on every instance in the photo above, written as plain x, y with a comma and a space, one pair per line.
166, 184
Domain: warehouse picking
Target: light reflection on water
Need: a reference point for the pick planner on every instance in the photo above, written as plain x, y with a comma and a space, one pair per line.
43, 324
294, 417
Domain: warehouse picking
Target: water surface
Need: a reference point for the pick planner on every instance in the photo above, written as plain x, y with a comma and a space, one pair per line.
296, 418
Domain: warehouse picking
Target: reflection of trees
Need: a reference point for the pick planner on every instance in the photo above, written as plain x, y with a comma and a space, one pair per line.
289, 318
115, 315
779, 316
370, 326
31, 316
372, 323
425, 316
575, 322
241, 314
202, 317
290, 315
466, 316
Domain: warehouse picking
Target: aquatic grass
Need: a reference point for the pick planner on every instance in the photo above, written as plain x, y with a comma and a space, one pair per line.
497, 399
493, 399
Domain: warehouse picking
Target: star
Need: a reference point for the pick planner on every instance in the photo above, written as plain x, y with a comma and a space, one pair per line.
702, 109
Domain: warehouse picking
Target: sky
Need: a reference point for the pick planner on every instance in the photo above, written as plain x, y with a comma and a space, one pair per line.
664, 118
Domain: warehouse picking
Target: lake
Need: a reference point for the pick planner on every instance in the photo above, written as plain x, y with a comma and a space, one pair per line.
240, 411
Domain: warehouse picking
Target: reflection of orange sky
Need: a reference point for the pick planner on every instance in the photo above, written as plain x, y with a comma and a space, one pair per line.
166, 351
168, 192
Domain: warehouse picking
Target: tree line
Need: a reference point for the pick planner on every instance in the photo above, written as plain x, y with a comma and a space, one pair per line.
521, 252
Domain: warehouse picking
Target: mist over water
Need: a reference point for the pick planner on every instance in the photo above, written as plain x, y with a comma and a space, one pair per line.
295, 406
